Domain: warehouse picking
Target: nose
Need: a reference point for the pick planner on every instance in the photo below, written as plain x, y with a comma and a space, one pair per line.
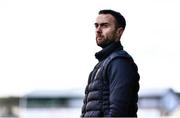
98, 29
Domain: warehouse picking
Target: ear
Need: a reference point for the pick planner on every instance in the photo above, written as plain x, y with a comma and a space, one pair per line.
119, 31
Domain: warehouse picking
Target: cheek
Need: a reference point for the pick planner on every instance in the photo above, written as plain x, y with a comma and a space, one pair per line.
107, 32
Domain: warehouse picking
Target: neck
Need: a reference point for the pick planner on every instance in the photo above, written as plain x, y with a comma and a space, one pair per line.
108, 50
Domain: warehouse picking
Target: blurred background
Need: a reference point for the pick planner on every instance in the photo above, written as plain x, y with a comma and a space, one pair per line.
47, 51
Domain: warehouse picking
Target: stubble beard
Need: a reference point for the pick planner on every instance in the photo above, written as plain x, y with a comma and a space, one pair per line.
100, 41
103, 42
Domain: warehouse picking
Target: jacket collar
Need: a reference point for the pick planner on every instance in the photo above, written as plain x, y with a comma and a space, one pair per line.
105, 52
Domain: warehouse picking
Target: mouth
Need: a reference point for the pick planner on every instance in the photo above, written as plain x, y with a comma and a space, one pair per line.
99, 37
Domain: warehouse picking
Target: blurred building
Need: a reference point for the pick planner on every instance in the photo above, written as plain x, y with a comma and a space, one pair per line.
155, 103
158, 102
9, 106
51, 104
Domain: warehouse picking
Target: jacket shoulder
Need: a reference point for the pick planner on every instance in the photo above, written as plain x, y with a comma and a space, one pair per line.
117, 54
120, 54
124, 58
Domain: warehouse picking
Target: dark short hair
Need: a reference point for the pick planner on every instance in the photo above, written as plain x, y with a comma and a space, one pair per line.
119, 18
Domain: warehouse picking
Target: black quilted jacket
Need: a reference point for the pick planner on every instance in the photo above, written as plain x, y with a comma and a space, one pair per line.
112, 89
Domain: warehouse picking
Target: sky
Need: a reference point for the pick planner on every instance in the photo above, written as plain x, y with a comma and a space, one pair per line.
50, 44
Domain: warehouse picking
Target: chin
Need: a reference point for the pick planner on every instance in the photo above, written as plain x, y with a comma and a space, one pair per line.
101, 45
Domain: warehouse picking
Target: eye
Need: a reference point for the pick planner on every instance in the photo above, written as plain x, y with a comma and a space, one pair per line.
104, 25
96, 25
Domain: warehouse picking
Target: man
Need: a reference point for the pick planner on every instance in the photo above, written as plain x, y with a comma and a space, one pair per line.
113, 85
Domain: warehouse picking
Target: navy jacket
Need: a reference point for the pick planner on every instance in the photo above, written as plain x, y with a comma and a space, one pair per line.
113, 85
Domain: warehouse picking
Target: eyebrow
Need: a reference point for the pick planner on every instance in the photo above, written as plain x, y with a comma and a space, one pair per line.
101, 24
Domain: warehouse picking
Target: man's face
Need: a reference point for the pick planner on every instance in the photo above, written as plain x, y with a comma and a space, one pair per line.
106, 31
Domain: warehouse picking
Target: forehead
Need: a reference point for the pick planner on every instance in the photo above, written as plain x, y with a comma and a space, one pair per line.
105, 18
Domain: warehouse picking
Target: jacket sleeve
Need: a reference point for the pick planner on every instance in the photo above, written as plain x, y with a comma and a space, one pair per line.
123, 78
